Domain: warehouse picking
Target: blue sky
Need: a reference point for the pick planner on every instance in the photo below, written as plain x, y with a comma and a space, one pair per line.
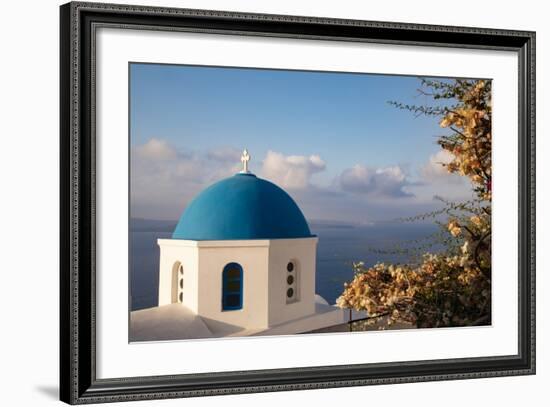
333, 132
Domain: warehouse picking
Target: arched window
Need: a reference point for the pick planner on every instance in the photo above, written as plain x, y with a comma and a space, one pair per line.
232, 287
177, 282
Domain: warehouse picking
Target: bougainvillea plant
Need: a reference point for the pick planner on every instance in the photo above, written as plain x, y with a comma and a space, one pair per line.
451, 287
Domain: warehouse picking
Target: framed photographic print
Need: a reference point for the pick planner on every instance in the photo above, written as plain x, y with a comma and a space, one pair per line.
256, 203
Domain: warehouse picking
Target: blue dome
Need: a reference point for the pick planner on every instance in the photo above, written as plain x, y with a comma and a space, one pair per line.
242, 207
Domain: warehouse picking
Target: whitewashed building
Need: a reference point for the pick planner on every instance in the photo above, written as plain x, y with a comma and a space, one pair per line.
241, 261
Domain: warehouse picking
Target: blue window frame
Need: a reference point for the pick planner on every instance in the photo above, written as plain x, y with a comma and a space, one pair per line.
232, 287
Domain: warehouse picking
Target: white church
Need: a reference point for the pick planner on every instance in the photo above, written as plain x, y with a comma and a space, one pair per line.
241, 261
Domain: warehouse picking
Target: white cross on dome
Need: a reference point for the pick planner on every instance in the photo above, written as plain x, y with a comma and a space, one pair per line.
245, 158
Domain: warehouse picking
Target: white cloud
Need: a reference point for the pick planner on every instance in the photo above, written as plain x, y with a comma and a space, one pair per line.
164, 179
156, 149
382, 182
435, 167
435, 180
434, 171
293, 171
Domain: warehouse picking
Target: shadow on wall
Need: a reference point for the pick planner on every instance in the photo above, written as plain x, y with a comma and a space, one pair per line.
219, 328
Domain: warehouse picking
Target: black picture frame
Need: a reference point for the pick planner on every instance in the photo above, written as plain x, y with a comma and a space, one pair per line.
78, 381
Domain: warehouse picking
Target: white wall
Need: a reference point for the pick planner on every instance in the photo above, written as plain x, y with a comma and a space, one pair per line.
29, 205
186, 253
253, 257
264, 278
303, 253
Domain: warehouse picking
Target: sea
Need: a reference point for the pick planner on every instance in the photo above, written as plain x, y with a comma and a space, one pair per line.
339, 247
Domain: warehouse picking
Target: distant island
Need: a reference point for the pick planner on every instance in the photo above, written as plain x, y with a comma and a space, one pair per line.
153, 225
